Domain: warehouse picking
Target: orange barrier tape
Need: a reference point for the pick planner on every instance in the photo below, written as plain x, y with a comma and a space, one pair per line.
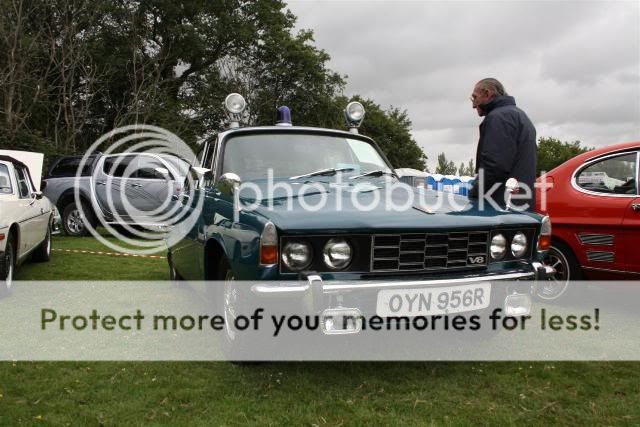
80, 251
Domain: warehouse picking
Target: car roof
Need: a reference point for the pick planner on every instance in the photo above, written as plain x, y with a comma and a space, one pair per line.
12, 160
599, 152
610, 149
269, 129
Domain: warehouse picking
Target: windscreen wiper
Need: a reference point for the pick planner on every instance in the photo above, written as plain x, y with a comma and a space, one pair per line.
377, 172
323, 172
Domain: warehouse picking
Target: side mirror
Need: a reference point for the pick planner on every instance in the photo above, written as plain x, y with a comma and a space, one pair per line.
228, 184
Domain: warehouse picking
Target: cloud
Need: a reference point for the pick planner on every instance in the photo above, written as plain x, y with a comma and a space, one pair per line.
574, 67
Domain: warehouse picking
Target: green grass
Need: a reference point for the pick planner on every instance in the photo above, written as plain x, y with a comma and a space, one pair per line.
77, 266
446, 393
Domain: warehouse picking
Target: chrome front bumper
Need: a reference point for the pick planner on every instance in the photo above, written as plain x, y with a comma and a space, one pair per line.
313, 292
314, 284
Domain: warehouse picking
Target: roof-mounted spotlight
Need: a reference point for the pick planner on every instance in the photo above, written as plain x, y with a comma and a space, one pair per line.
235, 105
283, 117
354, 114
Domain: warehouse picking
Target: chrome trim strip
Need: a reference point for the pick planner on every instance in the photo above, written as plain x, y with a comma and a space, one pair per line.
424, 283
278, 290
611, 270
613, 153
589, 162
35, 216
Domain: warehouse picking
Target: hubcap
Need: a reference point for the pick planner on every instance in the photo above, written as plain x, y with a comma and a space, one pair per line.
8, 259
558, 283
74, 222
230, 304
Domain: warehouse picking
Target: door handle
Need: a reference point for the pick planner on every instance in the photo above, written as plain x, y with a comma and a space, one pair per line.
101, 183
135, 185
635, 207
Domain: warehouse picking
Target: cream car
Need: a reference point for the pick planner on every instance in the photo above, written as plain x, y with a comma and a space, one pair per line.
25, 215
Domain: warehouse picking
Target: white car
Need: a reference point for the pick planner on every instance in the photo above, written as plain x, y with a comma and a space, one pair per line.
25, 215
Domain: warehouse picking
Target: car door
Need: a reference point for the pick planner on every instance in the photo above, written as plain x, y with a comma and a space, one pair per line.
30, 212
606, 188
149, 189
188, 252
110, 179
631, 226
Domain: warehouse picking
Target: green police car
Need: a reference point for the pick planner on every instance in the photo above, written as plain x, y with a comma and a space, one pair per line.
318, 220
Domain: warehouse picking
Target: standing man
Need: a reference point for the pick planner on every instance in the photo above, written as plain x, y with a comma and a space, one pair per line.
507, 146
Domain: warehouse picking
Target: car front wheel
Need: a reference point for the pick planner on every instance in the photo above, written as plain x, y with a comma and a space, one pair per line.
43, 252
561, 258
7, 267
73, 221
229, 302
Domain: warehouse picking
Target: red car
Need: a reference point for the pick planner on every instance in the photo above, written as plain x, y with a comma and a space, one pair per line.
594, 205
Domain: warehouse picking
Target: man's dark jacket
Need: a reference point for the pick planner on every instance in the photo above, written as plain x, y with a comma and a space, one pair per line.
506, 149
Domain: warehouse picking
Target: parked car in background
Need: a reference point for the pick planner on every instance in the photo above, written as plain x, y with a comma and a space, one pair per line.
594, 203
308, 257
25, 215
120, 188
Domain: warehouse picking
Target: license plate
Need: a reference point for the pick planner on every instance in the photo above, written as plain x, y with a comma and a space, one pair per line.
433, 301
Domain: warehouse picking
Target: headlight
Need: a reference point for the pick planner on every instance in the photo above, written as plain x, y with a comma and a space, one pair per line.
234, 103
337, 254
297, 255
498, 247
519, 245
355, 112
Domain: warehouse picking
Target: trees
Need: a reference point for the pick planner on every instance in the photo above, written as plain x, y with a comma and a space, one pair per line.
552, 152
391, 130
71, 70
445, 167
468, 170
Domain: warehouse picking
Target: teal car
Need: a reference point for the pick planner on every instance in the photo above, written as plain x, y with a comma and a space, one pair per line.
317, 218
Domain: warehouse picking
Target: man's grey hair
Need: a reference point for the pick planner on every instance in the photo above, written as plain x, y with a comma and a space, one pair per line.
493, 86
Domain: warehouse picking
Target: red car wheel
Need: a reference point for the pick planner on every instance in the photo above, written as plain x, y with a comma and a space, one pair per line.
562, 259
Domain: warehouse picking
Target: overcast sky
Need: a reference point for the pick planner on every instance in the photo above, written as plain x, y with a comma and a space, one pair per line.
573, 67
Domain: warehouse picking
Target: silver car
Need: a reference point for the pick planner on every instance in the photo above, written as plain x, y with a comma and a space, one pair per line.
127, 188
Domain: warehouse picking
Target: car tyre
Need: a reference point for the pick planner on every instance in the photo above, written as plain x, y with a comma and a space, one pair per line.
560, 257
174, 276
73, 221
43, 252
7, 267
234, 344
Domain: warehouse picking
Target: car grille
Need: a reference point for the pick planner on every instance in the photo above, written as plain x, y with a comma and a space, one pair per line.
429, 251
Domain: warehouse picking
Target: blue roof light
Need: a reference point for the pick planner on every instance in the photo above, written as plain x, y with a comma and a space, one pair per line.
283, 117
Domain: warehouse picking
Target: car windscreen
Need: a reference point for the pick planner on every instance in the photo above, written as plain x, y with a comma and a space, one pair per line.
5, 180
291, 154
